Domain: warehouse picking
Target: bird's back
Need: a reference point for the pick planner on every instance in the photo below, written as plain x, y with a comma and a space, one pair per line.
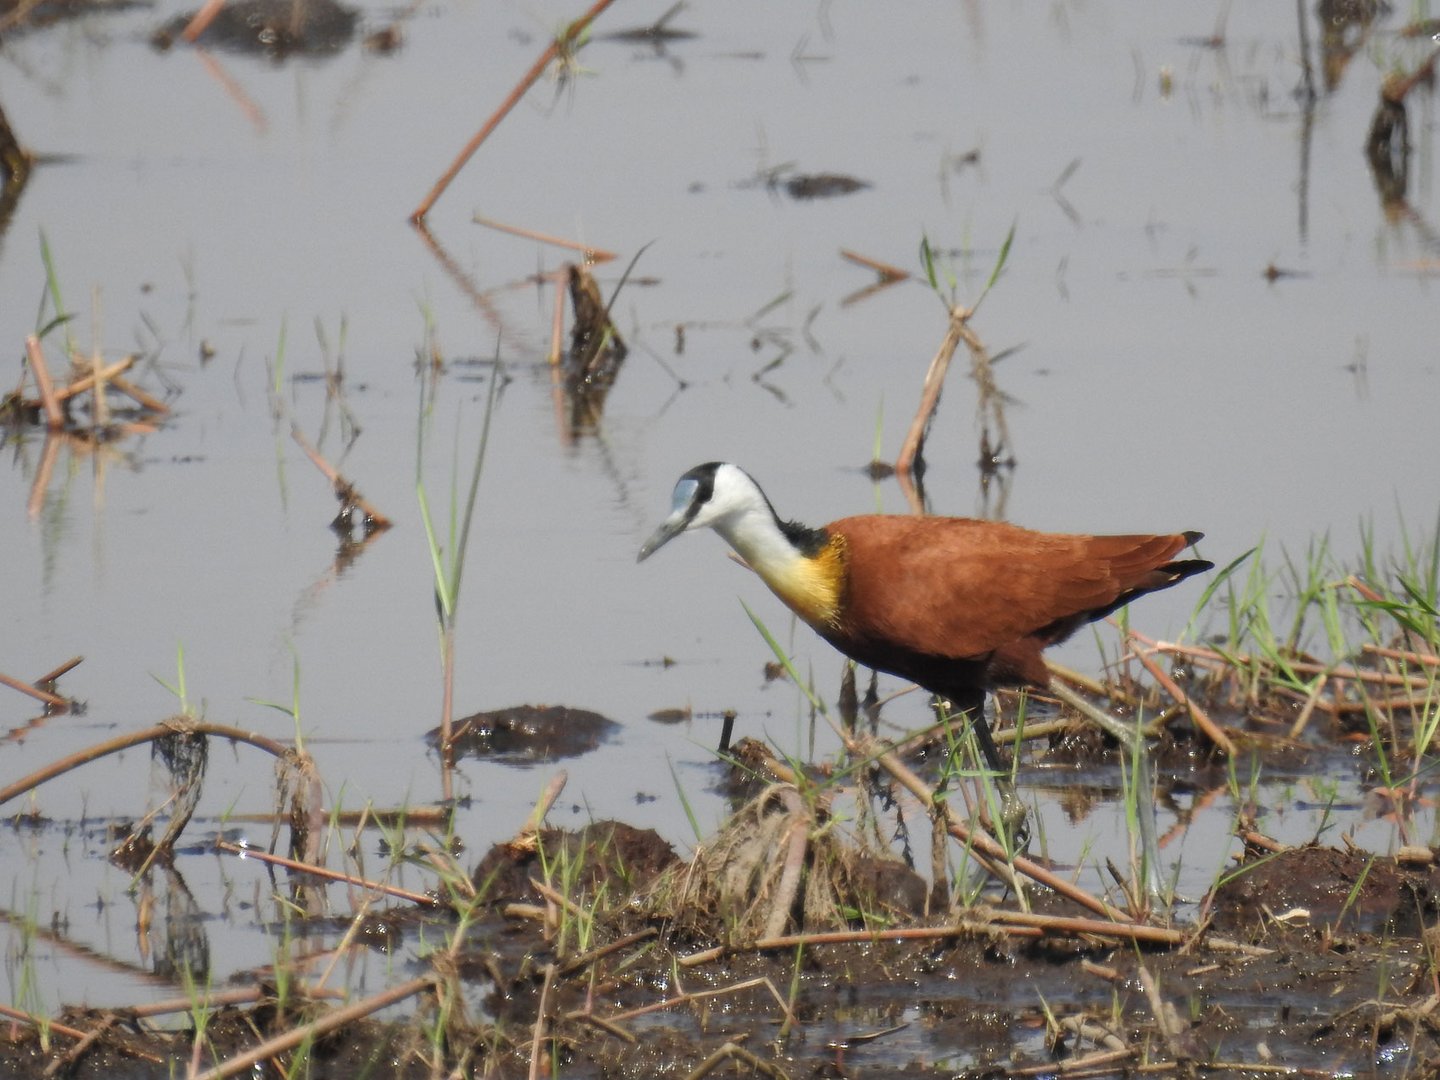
961, 589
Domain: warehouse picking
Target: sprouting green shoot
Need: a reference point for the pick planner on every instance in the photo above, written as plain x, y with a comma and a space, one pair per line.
293, 709
178, 687
1000, 261
685, 803
448, 574
927, 263
277, 370
52, 286
785, 662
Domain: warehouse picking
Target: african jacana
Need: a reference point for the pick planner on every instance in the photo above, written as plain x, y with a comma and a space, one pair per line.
956, 605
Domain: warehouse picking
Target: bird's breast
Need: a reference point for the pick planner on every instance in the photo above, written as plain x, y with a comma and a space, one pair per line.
812, 586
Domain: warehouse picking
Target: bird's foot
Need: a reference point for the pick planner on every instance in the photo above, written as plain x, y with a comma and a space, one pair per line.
1014, 822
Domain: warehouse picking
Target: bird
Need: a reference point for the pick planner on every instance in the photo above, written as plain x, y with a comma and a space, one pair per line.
956, 605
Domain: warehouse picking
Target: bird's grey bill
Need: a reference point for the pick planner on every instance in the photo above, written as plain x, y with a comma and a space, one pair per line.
682, 509
674, 526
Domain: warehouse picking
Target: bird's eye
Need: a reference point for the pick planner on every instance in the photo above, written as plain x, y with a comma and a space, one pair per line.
684, 493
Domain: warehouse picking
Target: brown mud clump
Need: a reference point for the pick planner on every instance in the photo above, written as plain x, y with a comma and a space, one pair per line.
275, 28
607, 858
528, 734
1340, 890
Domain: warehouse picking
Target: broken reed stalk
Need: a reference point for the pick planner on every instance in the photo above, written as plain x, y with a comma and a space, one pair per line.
1216, 660
1405, 656
423, 899
536, 821
64, 669
1102, 1060
539, 1034
565, 41
989, 922
1129, 931
201, 20
731, 1050
797, 843
345, 491
54, 701
215, 999
67, 1061
36, 1021
311, 1031
140, 397
686, 997
584, 960
997, 860
1212, 730
930, 393
54, 418
560, 900
107, 374
593, 255
887, 271
135, 738
961, 928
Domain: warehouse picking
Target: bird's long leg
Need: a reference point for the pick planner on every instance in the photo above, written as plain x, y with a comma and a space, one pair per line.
981, 727
1012, 810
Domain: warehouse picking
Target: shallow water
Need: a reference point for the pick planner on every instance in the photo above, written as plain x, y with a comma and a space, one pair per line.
1160, 380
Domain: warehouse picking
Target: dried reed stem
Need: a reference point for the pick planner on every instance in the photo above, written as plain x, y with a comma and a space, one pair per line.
52, 700
930, 392
423, 899
330, 1022
887, 271
54, 418
135, 738
1202, 719
565, 41
593, 255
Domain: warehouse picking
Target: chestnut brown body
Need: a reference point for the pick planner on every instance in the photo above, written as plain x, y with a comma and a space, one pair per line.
961, 606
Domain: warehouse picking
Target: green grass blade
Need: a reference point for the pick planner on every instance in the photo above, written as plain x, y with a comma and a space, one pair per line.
685, 802
497, 375
785, 661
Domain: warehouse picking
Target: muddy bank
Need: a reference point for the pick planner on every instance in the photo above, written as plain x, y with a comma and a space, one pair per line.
602, 953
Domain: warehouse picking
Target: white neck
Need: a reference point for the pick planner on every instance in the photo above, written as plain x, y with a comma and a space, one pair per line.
756, 537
